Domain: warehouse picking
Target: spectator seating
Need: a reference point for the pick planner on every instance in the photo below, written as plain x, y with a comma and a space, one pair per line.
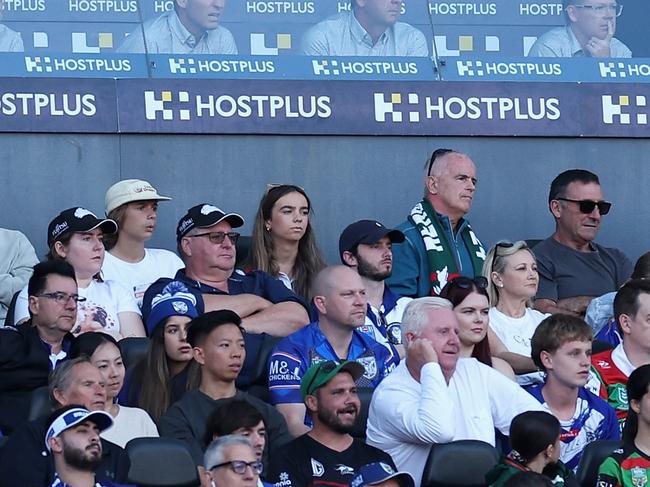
39, 405
133, 350
593, 455
9, 319
365, 396
462, 463
161, 462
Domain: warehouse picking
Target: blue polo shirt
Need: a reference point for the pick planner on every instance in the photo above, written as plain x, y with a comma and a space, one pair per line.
257, 282
297, 352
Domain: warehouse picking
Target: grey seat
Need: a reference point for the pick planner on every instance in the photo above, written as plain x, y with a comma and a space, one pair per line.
461, 463
161, 462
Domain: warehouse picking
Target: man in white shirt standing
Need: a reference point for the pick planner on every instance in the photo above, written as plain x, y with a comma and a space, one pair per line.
436, 397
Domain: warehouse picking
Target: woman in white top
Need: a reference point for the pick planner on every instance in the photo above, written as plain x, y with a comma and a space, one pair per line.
76, 236
104, 353
133, 204
511, 270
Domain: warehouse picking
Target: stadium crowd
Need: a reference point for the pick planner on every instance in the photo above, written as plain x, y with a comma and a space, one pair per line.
276, 369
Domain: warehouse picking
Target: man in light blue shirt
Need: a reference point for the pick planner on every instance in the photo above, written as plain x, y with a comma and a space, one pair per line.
191, 28
369, 29
589, 32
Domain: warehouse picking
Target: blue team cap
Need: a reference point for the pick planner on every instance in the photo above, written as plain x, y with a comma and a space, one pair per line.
377, 472
175, 299
73, 416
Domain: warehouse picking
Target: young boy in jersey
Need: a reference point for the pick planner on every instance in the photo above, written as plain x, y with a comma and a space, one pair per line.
561, 347
612, 368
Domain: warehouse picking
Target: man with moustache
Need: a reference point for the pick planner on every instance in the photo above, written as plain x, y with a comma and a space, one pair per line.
589, 32
191, 27
327, 455
340, 299
434, 396
365, 246
370, 28
25, 462
73, 440
439, 242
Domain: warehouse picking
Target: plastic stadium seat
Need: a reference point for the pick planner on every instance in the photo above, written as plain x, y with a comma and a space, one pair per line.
461, 463
365, 395
161, 462
592, 457
39, 405
243, 248
133, 350
9, 319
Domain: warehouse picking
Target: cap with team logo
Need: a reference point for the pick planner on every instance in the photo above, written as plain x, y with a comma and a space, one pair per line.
72, 416
77, 219
321, 373
130, 190
204, 215
375, 473
174, 300
366, 232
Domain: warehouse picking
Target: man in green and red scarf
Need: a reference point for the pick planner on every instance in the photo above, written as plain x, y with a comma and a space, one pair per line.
439, 243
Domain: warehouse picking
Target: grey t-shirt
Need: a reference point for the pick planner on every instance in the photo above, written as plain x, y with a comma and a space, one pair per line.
566, 273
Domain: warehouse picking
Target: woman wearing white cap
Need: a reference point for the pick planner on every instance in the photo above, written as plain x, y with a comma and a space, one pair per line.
133, 204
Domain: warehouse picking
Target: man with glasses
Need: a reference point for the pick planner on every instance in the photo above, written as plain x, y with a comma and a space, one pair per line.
328, 455
230, 461
29, 351
573, 269
206, 243
439, 240
589, 32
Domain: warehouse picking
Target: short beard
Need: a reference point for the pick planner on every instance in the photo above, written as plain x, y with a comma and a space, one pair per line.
332, 421
79, 459
369, 272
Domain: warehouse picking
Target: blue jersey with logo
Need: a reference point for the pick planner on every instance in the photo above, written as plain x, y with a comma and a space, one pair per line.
296, 353
593, 420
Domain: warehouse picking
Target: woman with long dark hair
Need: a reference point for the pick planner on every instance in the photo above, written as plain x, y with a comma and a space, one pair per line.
283, 241
470, 300
630, 466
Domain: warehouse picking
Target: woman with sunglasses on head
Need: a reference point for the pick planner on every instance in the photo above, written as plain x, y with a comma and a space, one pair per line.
283, 242
133, 205
511, 270
168, 369
76, 235
629, 466
471, 305
104, 353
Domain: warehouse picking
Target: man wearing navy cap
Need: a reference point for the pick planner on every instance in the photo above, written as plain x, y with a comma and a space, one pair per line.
73, 440
206, 242
381, 474
328, 455
366, 246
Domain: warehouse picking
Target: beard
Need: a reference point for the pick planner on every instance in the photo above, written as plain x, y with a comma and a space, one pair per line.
332, 420
371, 272
80, 459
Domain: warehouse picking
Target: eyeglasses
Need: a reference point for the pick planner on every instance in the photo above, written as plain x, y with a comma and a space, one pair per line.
217, 238
587, 206
603, 9
323, 368
61, 297
465, 282
240, 466
436, 154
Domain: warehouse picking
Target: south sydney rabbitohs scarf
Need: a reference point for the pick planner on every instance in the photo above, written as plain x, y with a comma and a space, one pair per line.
442, 264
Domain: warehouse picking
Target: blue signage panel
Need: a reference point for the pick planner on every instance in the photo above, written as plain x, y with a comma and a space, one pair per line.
73, 65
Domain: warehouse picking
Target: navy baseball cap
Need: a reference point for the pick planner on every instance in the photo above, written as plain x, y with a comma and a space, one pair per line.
70, 417
377, 472
203, 216
366, 232
175, 299
77, 219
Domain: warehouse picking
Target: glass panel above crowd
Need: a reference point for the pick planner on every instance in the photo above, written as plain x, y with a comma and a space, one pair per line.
288, 39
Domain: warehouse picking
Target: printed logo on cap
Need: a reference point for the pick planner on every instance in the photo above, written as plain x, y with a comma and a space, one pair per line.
144, 189
82, 212
59, 229
207, 209
184, 224
180, 307
387, 468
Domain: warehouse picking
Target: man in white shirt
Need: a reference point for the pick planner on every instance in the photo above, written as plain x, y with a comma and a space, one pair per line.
434, 396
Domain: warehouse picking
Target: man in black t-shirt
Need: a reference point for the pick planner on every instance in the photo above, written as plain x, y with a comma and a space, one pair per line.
328, 455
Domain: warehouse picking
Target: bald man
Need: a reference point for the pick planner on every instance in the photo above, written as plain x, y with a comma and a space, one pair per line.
340, 298
439, 242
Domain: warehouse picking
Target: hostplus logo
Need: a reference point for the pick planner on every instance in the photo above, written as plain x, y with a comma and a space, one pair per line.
182, 66
470, 68
326, 67
394, 106
625, 109
38, 64
259, 45
467, 44
622, 70
156, 104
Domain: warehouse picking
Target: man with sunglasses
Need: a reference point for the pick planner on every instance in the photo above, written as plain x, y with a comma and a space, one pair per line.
29, 351
439, 240
573, 269
589, 32
327, 456
207, 245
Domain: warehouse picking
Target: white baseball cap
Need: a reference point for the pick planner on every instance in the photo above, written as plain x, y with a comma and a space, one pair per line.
70, 417
129, 190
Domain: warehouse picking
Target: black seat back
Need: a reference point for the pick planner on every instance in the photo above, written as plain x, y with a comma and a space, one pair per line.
365, 396
9, 319
133, 350
39, 404
161, 462
462, 463
592, 456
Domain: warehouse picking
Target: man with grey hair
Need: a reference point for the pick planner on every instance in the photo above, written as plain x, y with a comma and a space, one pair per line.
230, 461
439, 243
589, 32
434, 396
25, 462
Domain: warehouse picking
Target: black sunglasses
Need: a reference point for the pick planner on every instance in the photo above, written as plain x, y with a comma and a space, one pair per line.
436, 153
466, 282
587, 206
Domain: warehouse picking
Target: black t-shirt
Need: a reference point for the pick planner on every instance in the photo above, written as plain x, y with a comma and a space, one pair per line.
306, 463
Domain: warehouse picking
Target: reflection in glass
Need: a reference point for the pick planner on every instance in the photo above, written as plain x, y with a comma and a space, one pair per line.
10, 40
